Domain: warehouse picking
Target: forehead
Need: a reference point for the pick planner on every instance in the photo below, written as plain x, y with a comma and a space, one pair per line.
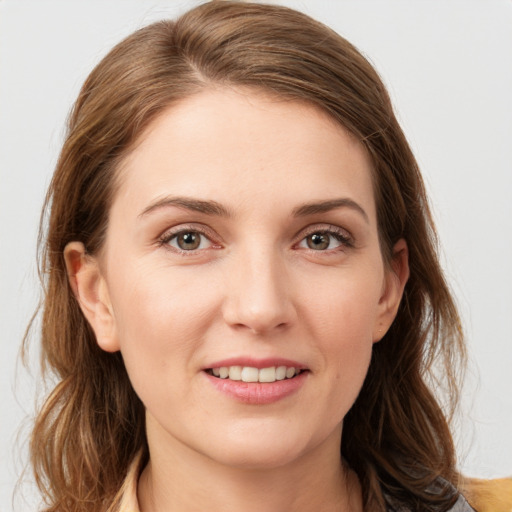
239, 146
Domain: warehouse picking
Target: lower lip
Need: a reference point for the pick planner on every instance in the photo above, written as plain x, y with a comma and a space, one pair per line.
258, 393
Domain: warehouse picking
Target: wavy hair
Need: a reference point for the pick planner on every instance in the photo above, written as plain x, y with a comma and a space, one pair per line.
396, 436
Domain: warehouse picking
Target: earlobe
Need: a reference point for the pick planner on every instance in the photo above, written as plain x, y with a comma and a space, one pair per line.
90, 289
396, 278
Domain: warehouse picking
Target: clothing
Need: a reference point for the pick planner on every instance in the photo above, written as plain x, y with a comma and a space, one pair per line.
460, 506
127, 496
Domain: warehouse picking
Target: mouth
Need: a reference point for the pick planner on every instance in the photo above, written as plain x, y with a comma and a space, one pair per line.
251, 374
257, 381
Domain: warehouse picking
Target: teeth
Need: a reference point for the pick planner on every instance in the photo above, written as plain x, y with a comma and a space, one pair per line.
250, 374
235, 373
280, 372
268, 374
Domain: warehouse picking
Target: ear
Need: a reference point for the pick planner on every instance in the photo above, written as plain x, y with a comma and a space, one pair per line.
397, 274
91, 292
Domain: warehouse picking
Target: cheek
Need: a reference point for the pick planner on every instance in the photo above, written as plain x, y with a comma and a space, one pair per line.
159, 305
343, 306
341, 316
160, 319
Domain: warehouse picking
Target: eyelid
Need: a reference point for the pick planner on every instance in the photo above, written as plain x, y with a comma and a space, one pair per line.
170, 233
341, 235
325, 228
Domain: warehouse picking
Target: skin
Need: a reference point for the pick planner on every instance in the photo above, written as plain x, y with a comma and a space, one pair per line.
253, 287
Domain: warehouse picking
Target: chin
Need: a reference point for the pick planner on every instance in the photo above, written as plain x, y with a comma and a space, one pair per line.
261, 448
255, 458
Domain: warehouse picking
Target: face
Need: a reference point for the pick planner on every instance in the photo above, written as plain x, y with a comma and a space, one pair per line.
242, 278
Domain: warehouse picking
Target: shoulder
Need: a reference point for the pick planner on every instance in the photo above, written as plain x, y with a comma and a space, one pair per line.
489, 495
460, 504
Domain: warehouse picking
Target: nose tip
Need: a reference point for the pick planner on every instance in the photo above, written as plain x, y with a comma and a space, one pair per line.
257, 320
259, 300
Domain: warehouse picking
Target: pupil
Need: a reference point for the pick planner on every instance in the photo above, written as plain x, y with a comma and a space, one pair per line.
318, 241
189, 241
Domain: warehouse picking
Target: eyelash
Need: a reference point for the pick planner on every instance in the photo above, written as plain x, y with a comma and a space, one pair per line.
339, 234
165, 239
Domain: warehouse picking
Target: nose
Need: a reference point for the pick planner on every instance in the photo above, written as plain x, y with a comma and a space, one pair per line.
258, 295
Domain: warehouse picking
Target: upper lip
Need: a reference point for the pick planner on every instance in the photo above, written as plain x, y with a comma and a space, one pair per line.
256, 363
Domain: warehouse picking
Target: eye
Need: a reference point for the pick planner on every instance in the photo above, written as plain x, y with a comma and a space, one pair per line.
324, 240
188, 241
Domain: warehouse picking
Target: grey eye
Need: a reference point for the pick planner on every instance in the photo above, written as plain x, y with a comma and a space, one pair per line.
324, 240
318, 241
189, 241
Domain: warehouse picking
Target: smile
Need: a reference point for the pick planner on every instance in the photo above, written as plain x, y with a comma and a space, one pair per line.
251, 374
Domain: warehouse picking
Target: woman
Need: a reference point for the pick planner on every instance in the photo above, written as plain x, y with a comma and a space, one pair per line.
242, 282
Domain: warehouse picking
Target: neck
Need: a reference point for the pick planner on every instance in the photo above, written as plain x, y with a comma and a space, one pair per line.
177, 478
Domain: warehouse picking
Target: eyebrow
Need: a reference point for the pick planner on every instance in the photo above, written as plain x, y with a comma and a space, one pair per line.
187, 203
326, 206
215, 208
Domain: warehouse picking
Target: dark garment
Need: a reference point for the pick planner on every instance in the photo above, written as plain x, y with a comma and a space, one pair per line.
461, 505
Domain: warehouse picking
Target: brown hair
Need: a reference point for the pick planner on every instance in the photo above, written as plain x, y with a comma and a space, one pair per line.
396, 436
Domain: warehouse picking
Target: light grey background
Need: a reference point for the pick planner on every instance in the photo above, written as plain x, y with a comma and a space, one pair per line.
448, 65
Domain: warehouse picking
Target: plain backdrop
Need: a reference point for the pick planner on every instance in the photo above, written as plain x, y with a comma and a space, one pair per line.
448, 66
